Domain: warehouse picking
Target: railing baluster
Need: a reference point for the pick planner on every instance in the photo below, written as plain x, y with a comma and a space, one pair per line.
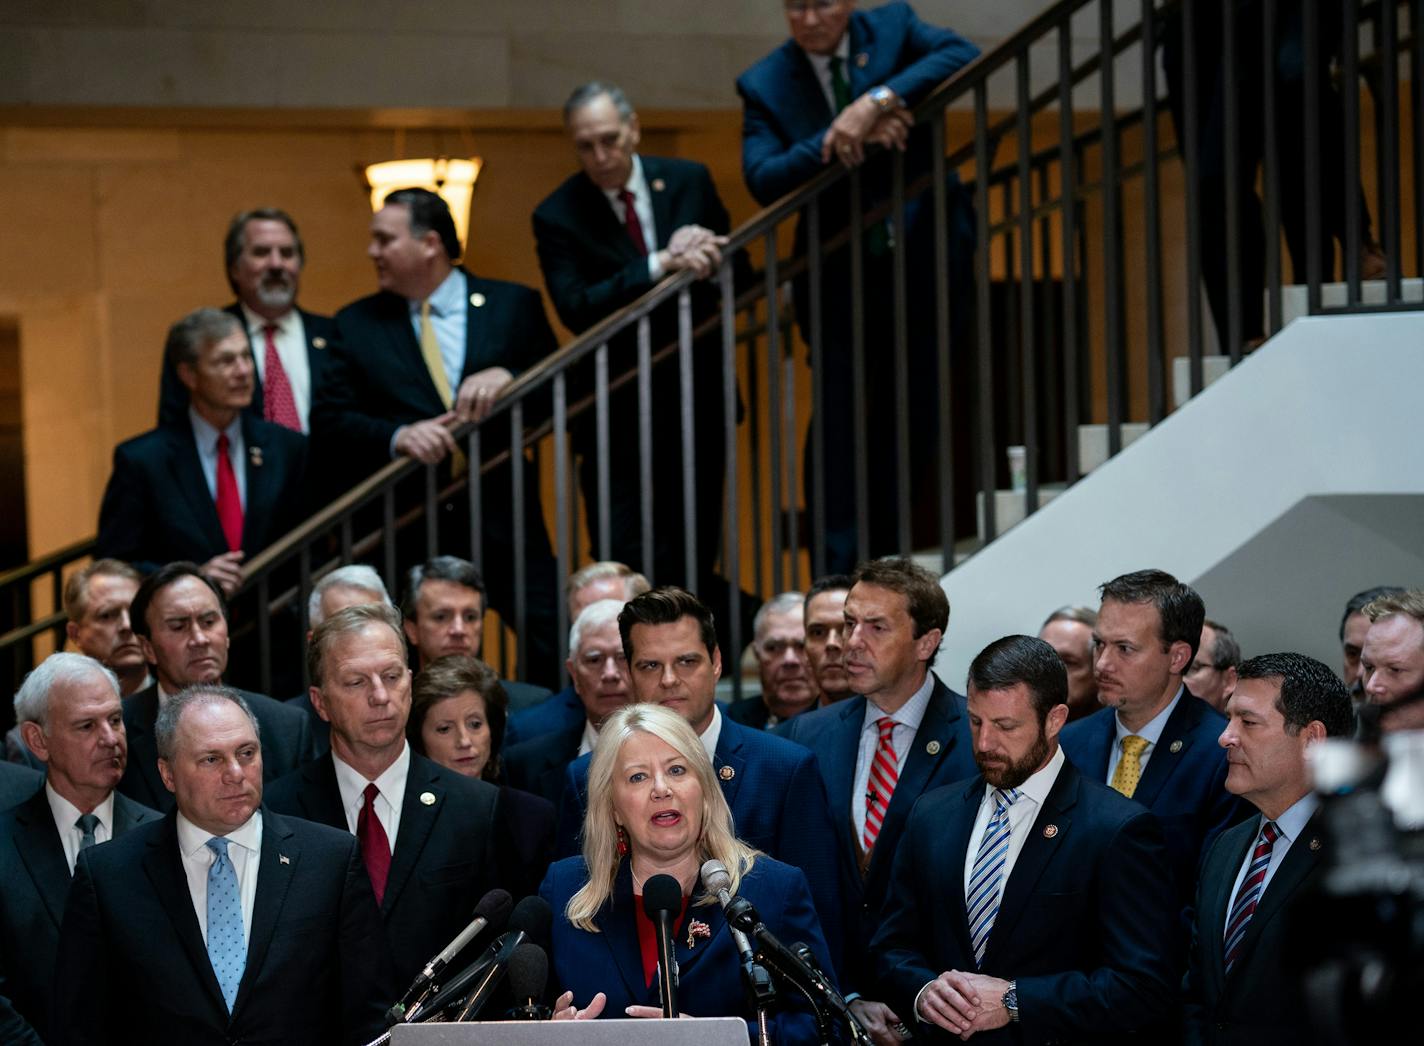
857, 370
731, 562
472, 459
432, 510
1350, 99
774, 418
1314, 263
1068, 214
1271, 174
1026, 285
689, 452
901, 355
516, 484
304, 588
1389, 168
1191, 162
1112, 235
600, 394
1231, 147
988, 481
817, 477
1156, 383
788, 444
945, 405
754, 440
1416, 131
264, 634
645, 444
562, 510
347, 540
388, 536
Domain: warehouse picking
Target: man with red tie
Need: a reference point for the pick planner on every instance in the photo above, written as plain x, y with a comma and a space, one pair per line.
265, 258
216, 486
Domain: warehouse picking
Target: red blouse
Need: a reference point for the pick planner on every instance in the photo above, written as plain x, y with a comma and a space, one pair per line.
648, 935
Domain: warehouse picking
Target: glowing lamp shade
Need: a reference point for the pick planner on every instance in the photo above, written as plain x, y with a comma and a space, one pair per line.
453, 180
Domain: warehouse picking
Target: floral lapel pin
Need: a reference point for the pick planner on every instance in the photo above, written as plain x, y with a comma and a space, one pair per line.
695, 929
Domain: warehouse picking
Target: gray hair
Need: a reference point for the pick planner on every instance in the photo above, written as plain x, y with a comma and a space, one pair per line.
440, 568
348, 622
598, 613
782, 603
593, 90
356, 575
197, 331
32, 699
634, 583
1078, 615
170, 712
1225, 650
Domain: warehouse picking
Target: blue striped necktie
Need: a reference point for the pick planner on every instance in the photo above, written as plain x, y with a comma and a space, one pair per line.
1249, 895
986, 879
227, 945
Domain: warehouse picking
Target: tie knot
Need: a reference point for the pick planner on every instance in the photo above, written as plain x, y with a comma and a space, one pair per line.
270, 329
218, 845
87, 823
1270, 832
1133, 745
223, 443
370, 794
1006, 797
886, 726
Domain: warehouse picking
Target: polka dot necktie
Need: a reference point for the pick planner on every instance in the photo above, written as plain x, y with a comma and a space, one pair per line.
1129, 766
227, 945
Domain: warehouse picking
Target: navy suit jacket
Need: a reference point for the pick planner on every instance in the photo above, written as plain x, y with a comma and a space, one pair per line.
17, 783
443, 860
320, 332
133, 968
833, 733
36, 879
556, 713
1259, 1002
285, 732
377, 380
709, 972
1184, 785
1080, 925
157, 508
538, 765
785, 114
778, 805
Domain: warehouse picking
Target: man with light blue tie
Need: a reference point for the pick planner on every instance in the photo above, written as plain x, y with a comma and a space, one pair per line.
1030, 895
222, 922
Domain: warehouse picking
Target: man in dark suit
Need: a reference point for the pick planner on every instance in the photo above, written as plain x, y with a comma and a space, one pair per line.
845, 80
426, 833
181, 620
773, 786
265, 258
431, 350
599, 671
905, 734
1238, 987
1155, 742
824, 614
779, 643
168, 939
17, 783
71, 715
605, 237
443, 611
215, 486
1030, 895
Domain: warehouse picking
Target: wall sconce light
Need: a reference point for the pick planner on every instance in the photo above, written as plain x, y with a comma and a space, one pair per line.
453, 180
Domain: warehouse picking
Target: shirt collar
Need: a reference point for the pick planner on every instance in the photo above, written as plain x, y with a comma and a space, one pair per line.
1040, 782
390, 783
446, 299
256, 324
821, 62
589, 739
637, 183
910, 714
191, 838
713, 733
1152, 731
66, 813
207, 435
1291, 823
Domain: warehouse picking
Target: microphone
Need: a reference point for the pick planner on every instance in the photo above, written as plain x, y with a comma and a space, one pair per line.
717, 881
761, 992
662, 897
534, 916
528, 976
492, 910
784, 961
532, 921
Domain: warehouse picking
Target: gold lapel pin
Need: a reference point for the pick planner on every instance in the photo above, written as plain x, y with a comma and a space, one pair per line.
726, 773
659, 185
477, 299
862, 59
1175, 747
254, 455
284, 859
427, 798
1314, 843
932, 748
1050, 830
318, 343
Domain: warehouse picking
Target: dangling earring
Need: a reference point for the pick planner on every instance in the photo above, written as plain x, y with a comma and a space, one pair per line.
622, 842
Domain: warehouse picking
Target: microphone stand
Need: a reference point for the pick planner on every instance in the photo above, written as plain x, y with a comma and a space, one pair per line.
761, 992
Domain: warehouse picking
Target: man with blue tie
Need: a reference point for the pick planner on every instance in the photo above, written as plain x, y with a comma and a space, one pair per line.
1028, 895
223, 922
1238, 988
71, 716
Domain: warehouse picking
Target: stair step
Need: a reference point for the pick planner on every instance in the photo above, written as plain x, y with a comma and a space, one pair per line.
1093, 443
1333, 295
1213, 367
1011, 506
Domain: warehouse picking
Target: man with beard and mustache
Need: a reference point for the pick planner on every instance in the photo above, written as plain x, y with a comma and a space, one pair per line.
264, 256
1029, 895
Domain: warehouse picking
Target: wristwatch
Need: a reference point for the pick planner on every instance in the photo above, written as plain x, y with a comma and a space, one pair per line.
1011, 1002
883, 97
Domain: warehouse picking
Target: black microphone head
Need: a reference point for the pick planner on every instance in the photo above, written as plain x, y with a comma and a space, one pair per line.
534, 916
528, 972
494, 908
662, 893
715, 877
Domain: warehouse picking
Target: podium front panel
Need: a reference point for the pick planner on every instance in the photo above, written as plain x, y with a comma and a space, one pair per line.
707, 1031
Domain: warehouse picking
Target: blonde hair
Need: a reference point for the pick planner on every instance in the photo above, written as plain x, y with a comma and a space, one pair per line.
600, 831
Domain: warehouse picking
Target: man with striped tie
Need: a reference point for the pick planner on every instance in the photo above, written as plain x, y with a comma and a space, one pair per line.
1032, 895
1237, 987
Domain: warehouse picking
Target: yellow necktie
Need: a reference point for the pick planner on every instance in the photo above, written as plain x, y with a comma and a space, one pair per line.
1129, 767
434, 362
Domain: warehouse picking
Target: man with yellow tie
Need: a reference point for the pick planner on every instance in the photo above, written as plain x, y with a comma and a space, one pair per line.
433, 348
1154, 741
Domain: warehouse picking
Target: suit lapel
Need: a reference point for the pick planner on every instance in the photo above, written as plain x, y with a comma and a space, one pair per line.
416, 821
403, 347
839, 767
1171, 749
164, 868
1218, 896
474, 330
143, 747
595, 221
261, 475
1100, 730
1038, 851
1300, 860
731, 765
618, 926
661, 196
320, 797
954, 844
804, 81
192, 485
43, 854
276, 864
127, 815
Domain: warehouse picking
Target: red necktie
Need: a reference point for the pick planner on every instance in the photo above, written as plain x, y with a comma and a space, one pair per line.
883, 775
228, 502
1249, 894
634, 226
375, 847
278, 404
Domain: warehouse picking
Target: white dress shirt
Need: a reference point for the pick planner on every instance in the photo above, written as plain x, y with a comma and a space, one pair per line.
713, 734
66, 813
290, 337
1151, 733
821, 64
390, 787
244, 850
589, 739
1290, 825
907, 723
643, 207
206, 437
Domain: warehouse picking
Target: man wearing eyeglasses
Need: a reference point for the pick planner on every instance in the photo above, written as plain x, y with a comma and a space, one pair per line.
845, 81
